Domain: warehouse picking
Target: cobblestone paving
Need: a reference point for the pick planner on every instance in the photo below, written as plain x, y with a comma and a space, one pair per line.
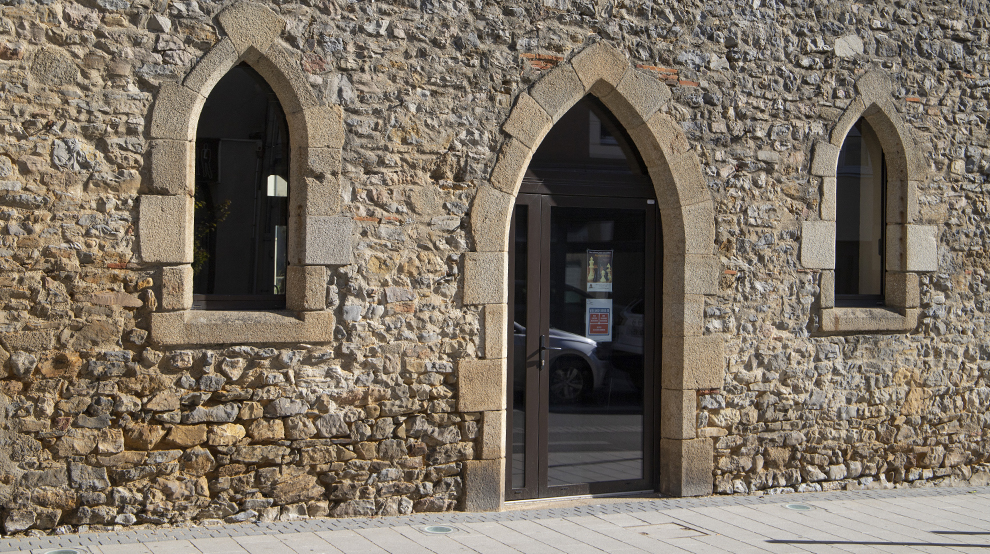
900, 520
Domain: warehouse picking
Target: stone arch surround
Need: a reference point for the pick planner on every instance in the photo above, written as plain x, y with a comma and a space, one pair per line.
690, 360
911, 247
318, 235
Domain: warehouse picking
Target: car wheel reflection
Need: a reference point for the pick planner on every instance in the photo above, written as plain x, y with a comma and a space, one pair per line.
575, 369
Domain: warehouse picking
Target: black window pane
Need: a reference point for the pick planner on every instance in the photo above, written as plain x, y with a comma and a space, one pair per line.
242, 161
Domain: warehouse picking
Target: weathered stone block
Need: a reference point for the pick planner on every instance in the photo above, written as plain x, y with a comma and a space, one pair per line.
678, 182
901, 290
827, 286
827, 207
825, 159
818, 244
693, 362
172, 165
484, 483
689, 230
212, 67
250, 25
494, 331
185, 436
528, 122
600, 63
874, 85
636, 98
492, 435
685, 274
327, 240
484, 277
294, 92
177, 287
659, 138
677, 414
306, 287
324, 127
490, 215
921, 245
837, 320
172, 116
686, 467
557, 91
480, 385
512, 162
686, 318
165, 229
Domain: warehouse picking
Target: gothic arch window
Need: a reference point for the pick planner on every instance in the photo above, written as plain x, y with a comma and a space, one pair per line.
860, 199
241, 196
220, 139
869, 240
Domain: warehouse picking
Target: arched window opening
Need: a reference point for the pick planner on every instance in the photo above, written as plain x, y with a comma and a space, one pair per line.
241, 196
860, 200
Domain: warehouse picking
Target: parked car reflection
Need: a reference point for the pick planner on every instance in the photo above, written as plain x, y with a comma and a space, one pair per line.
575, 368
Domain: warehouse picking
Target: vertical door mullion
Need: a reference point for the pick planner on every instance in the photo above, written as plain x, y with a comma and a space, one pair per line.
545, 226
533, 323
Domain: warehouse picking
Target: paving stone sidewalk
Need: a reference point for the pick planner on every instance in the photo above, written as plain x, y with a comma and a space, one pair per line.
900, 520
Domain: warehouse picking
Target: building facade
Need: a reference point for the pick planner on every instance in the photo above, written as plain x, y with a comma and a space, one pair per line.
279, 260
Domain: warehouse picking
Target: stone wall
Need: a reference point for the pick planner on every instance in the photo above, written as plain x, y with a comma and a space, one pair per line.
101, 423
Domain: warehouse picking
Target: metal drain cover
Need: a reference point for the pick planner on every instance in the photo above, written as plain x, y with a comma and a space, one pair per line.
439, 529
798, 507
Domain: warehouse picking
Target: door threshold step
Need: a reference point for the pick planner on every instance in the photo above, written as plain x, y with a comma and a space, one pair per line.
580, 500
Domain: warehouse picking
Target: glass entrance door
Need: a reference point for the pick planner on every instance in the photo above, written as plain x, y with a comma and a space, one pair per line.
582, 349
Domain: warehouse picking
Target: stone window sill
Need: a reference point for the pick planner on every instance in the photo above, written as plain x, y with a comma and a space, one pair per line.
840, 320
203, 327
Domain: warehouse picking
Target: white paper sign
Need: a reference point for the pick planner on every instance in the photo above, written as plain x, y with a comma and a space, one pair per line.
598, 319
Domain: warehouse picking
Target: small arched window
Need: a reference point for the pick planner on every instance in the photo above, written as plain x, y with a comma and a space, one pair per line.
860, 219
241, 196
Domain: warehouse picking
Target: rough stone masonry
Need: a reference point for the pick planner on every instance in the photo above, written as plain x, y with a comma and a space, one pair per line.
119, 407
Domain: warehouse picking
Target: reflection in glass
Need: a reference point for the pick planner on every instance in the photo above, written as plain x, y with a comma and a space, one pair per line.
519, 350
859, 219
596, 375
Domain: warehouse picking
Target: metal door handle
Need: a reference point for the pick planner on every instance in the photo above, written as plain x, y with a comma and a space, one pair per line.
543, 349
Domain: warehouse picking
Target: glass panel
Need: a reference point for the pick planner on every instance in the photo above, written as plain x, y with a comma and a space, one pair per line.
597, 285
859, 216
521, 257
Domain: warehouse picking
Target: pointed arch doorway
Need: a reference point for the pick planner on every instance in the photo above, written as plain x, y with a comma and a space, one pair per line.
585, 256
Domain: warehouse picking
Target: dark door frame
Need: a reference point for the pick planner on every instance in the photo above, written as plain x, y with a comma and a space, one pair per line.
540, 195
